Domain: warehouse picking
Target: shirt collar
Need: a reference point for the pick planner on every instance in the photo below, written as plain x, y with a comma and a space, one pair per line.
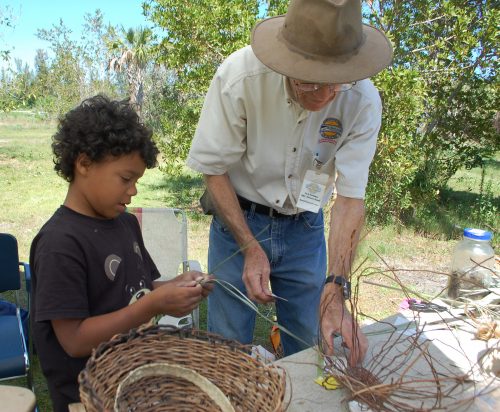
290, 99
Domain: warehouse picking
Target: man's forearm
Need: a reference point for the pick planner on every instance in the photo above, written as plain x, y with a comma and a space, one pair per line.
346, 222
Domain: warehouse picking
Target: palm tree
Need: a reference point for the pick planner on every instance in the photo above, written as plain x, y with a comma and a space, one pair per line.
132, 52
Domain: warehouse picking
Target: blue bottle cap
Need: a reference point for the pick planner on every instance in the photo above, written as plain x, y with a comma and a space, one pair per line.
477, 234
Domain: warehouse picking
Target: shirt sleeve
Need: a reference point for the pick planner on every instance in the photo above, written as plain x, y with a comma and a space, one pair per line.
61, 279
353, 159
149, 262
220, 138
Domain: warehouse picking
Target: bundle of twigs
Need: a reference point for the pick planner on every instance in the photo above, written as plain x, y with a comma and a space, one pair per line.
402, 372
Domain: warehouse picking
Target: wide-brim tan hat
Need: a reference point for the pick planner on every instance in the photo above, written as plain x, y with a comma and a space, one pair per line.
322, 41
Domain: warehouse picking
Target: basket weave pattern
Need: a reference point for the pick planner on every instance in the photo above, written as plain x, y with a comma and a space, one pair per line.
247, 383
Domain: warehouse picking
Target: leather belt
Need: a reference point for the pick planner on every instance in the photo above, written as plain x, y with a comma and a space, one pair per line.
246, 204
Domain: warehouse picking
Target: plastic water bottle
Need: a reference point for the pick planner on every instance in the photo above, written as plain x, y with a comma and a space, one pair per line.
472, 266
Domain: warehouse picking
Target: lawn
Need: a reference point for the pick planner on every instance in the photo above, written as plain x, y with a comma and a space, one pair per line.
31, 191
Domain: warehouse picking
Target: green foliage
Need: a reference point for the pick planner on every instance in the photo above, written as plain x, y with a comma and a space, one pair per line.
58, 83
131, 52
178, 122
440, 95
470, 199
197, 37
487, 208
63, 78
398, 152
15, 88
442, 118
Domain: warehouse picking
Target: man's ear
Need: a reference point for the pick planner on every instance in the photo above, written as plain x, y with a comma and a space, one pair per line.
82, 164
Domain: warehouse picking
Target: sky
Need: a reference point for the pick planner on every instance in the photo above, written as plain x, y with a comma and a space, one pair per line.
30, 15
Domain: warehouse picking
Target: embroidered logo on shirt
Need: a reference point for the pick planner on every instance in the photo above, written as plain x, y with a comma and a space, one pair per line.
330, 130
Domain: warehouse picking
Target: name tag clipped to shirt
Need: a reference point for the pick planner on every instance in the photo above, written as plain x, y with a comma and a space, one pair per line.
312, 191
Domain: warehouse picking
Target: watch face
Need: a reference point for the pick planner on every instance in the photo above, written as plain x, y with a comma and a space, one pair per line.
346, 286
341, 281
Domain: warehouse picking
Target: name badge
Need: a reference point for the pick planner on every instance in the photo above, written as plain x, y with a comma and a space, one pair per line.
312, 191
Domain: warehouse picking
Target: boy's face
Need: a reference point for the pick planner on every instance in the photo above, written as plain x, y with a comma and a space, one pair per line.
103, 189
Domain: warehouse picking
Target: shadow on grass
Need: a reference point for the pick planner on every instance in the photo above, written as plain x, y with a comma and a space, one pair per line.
454, 210
492, 164
181, 191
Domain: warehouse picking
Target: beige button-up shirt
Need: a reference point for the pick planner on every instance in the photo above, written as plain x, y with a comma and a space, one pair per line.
251, 128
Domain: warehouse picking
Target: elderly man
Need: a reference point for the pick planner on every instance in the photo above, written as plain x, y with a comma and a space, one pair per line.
284, 122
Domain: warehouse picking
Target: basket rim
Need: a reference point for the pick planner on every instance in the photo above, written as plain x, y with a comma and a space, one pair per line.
274, 374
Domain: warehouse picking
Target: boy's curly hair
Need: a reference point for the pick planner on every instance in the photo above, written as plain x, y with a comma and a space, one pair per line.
100, 127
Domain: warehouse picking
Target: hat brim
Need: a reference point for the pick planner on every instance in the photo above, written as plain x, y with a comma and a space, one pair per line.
371, 57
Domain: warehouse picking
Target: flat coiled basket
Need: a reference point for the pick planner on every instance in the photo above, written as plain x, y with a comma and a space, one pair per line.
162, 368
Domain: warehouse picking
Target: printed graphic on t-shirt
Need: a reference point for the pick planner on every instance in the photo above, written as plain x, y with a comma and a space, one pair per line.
111, 266
137, 250
137, 290
330, 130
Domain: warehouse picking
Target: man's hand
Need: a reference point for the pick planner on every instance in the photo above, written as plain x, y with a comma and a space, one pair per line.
256, 269
256, 274
335, 318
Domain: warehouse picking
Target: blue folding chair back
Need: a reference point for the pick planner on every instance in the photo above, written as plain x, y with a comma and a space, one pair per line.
14, 348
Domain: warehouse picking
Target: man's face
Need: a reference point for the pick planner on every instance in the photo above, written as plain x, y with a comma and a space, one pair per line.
104, 188
315, 96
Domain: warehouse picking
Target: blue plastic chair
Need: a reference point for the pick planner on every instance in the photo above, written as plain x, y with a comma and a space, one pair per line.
15, 347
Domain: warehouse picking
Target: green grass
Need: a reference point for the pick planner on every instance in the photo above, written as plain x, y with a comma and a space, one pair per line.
31, 192
470, 199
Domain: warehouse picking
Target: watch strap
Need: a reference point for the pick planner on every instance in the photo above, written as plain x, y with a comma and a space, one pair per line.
342, 282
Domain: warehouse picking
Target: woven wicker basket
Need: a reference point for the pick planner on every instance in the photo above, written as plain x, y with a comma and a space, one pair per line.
247, 383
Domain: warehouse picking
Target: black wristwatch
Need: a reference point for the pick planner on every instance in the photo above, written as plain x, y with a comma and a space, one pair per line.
342, 282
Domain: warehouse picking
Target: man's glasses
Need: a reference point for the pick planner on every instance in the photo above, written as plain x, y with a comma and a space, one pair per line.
314, 87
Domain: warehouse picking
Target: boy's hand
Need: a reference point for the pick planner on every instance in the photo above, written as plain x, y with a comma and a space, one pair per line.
194, 278
180, 295
177, 299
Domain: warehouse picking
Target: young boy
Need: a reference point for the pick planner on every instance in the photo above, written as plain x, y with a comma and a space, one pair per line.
89, 261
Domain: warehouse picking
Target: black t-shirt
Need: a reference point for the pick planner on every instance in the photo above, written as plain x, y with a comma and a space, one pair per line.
82, 267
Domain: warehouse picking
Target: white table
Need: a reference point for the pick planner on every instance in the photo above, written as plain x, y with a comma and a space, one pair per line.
456, 351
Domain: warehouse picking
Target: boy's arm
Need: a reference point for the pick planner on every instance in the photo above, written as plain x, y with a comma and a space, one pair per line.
206, 281
79, 336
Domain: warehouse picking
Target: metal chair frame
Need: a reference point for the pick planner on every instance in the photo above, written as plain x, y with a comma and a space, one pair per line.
15, 358
165, 236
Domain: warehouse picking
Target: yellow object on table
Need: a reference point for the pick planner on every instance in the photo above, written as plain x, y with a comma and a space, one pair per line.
329, 382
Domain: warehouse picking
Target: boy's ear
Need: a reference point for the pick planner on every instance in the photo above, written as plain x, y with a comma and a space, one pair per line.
82, 164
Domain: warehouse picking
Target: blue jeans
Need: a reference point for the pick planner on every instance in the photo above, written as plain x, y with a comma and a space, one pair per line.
296, 249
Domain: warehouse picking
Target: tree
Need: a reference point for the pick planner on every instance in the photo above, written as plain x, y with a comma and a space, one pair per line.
6, 20
42, 74
197, 37
76, 68
66, 74
440, 96
94, 56
134, 52
16, 87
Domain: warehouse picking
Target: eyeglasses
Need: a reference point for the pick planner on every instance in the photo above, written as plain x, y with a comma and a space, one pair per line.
314, 87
